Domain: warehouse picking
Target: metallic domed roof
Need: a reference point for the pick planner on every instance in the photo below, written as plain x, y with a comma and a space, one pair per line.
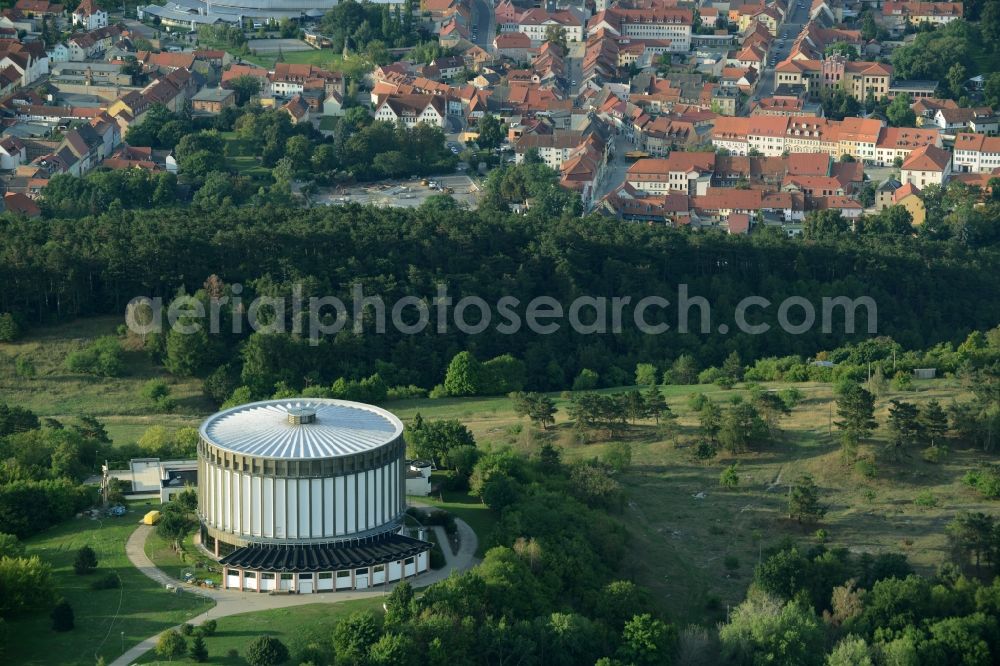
301, 428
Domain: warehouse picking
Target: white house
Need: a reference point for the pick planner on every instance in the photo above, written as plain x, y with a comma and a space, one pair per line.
927, 165
58, 53
535, 23
333, 105
412, 109
89, 16
976, 153
12, 153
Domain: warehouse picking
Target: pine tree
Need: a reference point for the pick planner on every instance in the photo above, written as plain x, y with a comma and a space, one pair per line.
635, 406
197, 650
710, 420
904, 422
856, 409
803, 501
656, 405
732, 367
934, 422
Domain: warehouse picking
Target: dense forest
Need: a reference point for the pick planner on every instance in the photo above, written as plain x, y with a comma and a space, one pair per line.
926, 291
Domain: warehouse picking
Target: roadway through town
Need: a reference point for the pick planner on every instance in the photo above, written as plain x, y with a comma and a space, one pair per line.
787, 31
228, 602
483, 22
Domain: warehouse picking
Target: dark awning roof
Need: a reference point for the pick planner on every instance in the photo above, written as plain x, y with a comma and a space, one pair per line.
327, 557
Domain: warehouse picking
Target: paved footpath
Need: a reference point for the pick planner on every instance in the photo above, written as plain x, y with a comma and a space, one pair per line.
231, 602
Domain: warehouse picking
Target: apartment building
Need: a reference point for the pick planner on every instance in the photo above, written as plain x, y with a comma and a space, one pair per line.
860, 79
660, 23
976, 153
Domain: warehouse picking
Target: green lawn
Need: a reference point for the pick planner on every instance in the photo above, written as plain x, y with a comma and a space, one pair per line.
353, 65
468, 508
175, 564
297, 627
140, 608
240, 156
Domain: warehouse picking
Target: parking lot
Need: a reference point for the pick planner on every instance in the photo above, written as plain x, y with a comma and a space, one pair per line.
403, 193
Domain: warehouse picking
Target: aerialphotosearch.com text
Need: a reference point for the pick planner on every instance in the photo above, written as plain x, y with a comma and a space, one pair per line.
319, 316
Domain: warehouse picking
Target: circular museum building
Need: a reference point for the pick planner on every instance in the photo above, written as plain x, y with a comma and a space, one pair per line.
306, 495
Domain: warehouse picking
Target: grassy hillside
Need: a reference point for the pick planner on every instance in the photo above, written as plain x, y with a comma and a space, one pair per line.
696, 553
139, 608
118, 401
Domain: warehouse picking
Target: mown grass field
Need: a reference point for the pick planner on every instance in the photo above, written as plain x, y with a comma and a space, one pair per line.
297, 627
354, 65
140, 608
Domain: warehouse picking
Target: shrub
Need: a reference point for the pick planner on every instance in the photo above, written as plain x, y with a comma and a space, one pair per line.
866, 468
186, 629
730, 477
62, 616
170, 644
24, 367
926, 500
437, 559
85, 562
791, 397
266, 651
406, 392
704, 451
157, 391
108, 581
696, 401
902, 381
103, 357
934, 454
208, 627
986, 480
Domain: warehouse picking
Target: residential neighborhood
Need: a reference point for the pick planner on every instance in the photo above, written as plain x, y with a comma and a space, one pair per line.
648, 110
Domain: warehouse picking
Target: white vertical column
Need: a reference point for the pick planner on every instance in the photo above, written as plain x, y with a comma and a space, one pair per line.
293, 508
256, 502
280, 508
329, 507
268, 530
340, 504
352, 508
